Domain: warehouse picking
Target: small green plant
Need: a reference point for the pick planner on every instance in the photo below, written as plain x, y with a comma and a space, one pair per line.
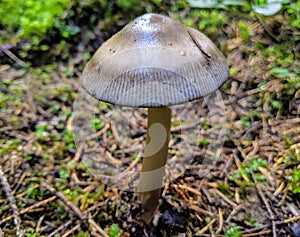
83, 234
7, 146
248, 119
294, 11
245, 31
42, 131
295, 180
290, 80
114, 231
210, 20
157, 1
280, 72
259, 2
246, 122
252, 168
8, 99
204, 141
31, 17
128, 4
292, 156
276, 104
63, 173
30, 235
234, 231
33, 192
63, 93
68, 138
223, 187
97, 124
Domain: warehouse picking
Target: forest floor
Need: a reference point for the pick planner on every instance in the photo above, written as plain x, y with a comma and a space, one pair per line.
251, 190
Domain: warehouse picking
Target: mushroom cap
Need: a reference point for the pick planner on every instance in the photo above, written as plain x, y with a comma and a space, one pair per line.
155, 61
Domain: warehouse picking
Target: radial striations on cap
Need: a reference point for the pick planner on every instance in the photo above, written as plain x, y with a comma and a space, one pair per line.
155, 61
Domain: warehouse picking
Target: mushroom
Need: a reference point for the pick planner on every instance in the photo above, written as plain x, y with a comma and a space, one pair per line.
154, 62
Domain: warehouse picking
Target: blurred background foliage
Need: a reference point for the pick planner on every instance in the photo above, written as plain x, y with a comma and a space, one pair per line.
35, 25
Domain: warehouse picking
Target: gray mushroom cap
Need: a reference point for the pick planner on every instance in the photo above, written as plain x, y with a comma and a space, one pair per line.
155, 61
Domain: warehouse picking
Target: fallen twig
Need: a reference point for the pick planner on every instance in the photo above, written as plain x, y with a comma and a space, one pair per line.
221, 221
259, 229
29, 208
70, 232
292, 219
256, 229
185, 187
205, 228
220, 194
82, 216
12, 202
200, 210
97, 227
265, 201
257, 233
65, 225
12, 56
60, 195
37, 228
234, 212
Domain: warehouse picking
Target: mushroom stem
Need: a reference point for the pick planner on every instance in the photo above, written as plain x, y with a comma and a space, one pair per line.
154, 161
